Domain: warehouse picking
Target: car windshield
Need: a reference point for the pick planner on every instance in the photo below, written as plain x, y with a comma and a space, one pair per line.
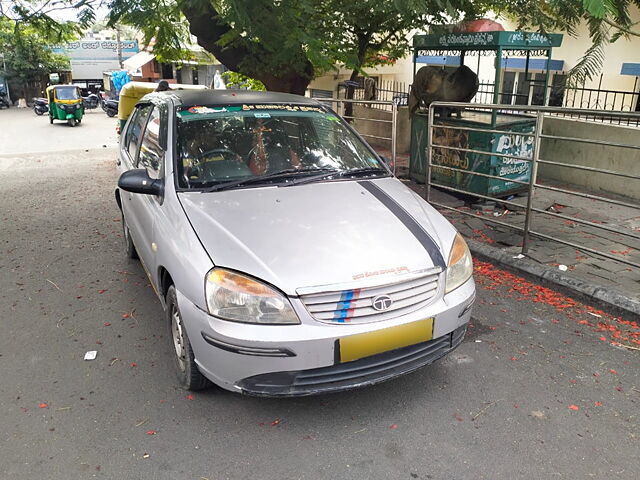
67, 93
233, 143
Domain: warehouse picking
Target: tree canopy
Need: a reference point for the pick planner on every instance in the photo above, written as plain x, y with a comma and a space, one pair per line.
286, 43
26, 57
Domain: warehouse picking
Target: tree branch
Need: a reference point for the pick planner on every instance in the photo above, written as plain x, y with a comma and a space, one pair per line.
620, 27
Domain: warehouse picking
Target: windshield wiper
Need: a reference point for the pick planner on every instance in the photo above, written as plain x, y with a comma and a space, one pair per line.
269, 176
356, 172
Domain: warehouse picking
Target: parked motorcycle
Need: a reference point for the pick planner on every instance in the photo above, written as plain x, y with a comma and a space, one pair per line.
91, 101
4, 100
110, 106
40, 106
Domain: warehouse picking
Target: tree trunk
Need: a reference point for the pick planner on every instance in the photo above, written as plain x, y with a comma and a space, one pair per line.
363, 43
351, 90
206, 25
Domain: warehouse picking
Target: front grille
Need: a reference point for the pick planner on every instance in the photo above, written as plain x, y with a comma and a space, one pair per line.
345, 376
355, 306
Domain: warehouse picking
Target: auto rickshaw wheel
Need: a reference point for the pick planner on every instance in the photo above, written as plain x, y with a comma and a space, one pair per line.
72, 122
50, 119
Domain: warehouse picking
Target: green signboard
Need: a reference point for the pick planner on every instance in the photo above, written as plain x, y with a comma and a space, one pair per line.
488, 41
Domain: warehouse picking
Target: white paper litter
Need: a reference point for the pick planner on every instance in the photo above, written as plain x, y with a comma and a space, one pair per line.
90, 355
562, 267
519, 256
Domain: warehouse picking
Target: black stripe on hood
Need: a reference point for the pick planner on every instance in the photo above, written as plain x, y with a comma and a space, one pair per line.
408, 221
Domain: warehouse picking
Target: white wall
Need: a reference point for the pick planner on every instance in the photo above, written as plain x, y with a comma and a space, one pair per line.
615, 54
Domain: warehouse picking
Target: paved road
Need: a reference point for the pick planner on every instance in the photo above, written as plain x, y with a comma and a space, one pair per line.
532, 393
22, 131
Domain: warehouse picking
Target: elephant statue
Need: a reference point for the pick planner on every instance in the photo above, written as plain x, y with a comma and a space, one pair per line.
433, 84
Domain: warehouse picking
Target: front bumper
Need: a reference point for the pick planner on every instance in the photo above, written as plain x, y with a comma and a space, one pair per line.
292, 360
350, 375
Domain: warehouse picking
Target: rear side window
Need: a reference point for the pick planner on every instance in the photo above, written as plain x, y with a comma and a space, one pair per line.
151, 152
134, 132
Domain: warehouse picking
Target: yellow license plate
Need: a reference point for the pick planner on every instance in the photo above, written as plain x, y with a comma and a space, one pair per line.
370, 343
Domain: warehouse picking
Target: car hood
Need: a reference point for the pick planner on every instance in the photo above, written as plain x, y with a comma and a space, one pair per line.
320, 234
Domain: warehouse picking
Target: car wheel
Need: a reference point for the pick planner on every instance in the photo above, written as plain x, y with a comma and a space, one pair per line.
189, 376
131, 248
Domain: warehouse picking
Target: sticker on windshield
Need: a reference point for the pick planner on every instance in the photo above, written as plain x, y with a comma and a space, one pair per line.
290, 108
261, 115
201, 109
333, 118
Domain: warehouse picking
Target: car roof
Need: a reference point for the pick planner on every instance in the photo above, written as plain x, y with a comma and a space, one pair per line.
190, 98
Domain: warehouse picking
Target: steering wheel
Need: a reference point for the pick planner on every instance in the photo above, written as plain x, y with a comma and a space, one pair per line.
221, 151
230, 164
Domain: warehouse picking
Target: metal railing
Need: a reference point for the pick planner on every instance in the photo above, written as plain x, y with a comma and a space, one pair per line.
583, 98
386, 91
392, 122
536, 114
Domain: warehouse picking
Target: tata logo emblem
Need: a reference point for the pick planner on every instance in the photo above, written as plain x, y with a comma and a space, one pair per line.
381, 302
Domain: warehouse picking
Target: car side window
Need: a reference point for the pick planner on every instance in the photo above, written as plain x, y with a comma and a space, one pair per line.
151, 151
134, 132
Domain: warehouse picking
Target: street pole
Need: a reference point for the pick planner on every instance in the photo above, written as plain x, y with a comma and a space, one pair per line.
119, 46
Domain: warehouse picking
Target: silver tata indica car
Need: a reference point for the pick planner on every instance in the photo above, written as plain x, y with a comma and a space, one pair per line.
288, 259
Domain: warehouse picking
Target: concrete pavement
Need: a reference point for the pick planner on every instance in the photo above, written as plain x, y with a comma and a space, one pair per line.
22, 131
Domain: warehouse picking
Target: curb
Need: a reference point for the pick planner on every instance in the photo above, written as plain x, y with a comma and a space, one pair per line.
588, 291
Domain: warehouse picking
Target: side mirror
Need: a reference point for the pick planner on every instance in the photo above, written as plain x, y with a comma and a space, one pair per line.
139, 181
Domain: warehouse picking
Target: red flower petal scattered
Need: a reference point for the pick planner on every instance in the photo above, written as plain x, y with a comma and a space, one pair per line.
43, 405
189, 397
393, 427
107, 324
133, 364
598, 404
151, 432
616, 330
102, 290
613, 371
574, 407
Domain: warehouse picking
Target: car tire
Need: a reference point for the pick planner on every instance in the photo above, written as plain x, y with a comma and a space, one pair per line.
132, 253
187, 371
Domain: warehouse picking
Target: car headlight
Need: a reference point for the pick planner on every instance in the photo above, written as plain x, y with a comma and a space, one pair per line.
239, 298
459, 266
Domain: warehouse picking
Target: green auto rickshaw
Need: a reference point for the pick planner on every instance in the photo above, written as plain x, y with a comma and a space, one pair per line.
65, 103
